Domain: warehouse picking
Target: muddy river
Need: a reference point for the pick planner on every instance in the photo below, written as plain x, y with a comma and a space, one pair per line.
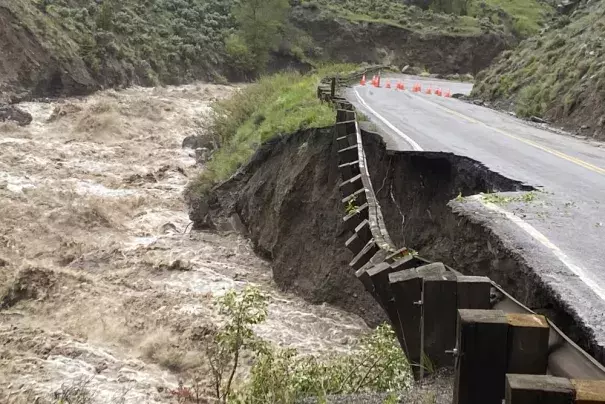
103, 285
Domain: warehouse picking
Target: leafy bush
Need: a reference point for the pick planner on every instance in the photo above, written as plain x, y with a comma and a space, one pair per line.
283, 376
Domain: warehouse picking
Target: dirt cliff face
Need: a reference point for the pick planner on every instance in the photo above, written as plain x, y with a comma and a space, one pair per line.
29, 64
288, 198
378, 43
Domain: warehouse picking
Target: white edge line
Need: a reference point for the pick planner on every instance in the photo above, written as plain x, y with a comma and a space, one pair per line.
408, 139
541, 238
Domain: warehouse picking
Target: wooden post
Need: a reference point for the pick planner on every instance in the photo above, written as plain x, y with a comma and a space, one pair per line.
589, 391
379, 274
333, 87
407, 289
481, 360
473, 292
527, 344
538, 389
439, 317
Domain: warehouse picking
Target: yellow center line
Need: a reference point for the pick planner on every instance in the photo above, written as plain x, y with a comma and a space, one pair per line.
564, 156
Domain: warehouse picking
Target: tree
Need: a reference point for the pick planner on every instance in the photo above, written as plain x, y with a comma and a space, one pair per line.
259, 24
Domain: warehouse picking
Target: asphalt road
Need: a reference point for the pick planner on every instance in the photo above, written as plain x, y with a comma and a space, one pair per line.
561, 233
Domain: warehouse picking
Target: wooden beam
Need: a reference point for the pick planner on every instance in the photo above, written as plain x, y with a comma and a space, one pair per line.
527, 343
589, 391
473, 292
538, 389
439, 317
407, 289
481, 360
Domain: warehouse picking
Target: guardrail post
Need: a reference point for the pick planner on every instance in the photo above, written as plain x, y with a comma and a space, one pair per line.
333, 87
538, 389
473, 292
527, 343
407, 289
439, 317
481, 357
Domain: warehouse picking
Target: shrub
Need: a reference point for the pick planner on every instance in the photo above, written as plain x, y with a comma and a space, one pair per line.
283, 376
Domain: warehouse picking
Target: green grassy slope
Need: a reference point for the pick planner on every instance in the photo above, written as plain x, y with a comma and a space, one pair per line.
559, 75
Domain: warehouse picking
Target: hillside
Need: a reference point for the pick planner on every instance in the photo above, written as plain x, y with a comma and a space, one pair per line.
558, 75
71, 47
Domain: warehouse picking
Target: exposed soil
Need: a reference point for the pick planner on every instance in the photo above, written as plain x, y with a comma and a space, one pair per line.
288, 198
374, 42
102, 285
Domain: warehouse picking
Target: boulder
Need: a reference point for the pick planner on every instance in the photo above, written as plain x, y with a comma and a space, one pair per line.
12, 113
198, 141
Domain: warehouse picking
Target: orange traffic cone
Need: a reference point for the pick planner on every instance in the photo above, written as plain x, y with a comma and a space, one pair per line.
363, 80
378, 81
402, 86
388, 84
438, 92
429, 90
447, 94
417, 88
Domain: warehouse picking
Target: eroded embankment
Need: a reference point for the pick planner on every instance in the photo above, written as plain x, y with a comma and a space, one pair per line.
419, 194
288, 198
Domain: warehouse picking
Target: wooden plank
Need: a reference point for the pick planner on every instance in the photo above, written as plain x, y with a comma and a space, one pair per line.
527, 344
379, 275
364, 255
349, 170
589, 391
538, 389
358, 198
474, 292
354, 219
348, 154
481, 360
407, 290
439, 317
351, 185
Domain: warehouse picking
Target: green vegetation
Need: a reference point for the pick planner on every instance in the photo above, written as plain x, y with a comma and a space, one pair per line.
502, 200
259, 24
559, 76
283, 376
454, 17
273, 106
351, 206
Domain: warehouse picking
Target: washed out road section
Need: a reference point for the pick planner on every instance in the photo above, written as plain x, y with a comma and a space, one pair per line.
561, 231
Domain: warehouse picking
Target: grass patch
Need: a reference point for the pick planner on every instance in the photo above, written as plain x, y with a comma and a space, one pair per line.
273, 106
503, 200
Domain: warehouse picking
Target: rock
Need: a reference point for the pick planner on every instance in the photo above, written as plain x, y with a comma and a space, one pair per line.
12, 113
601, 121
459, 96
197, 141
478, 102
537, 119
584, 127
168, 228
202, 154
405, 68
